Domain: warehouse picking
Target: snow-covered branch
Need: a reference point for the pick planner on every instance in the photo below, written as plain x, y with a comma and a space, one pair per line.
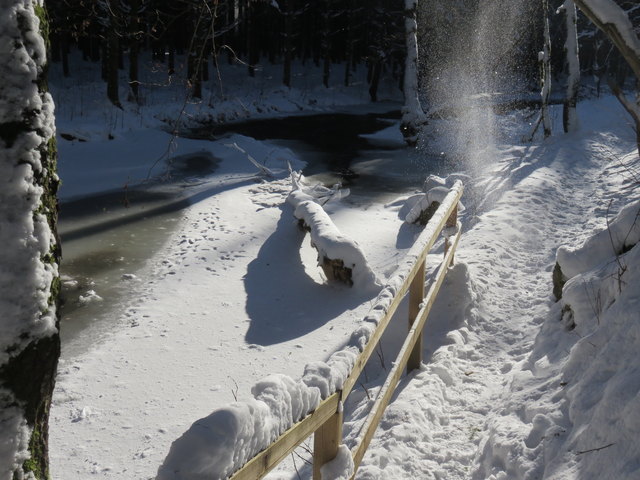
615, 23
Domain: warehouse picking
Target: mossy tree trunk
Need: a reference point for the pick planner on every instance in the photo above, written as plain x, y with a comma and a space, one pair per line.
30, 344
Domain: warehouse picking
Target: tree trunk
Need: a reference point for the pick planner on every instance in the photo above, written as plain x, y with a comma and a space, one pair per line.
621, 33
287, 42
412, 114
64, 53
113, 53
325, 44
30, 343
375, 70
545, 66
134, 49
569, 115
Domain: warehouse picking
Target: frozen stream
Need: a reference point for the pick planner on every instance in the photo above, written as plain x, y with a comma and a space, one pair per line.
108, 237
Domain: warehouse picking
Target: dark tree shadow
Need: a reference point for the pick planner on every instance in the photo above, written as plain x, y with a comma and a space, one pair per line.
283, 301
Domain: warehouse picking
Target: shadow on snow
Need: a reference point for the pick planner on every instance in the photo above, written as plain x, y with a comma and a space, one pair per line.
283, 301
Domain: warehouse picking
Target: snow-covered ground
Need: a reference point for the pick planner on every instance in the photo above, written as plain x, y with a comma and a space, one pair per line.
508, 390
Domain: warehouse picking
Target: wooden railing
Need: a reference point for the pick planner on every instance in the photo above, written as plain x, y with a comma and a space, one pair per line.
326, 421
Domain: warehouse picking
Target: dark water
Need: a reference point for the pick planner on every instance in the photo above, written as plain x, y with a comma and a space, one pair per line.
335, 150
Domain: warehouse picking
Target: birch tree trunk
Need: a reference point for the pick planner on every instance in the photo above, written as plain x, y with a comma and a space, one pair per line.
545, 64
569, 115
412, 114
30, 254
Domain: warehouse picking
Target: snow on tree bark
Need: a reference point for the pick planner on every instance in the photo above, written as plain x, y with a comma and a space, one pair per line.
569, 115
29, 340
412, 114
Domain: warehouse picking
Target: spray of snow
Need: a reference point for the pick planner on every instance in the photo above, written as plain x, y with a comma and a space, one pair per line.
471, 68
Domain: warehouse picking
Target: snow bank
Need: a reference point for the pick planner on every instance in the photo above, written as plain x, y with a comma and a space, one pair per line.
218, 445
621, 234
340, 468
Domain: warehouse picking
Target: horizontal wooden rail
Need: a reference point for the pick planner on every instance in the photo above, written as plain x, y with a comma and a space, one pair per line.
326, 420
448, 207
264, 462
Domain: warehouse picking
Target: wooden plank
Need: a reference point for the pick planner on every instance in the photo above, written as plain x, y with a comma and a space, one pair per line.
326, 441
450, 203
384, 396
416, 294
264, 461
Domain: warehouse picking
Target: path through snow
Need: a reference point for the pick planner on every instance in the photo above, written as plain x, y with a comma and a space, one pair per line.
471, 411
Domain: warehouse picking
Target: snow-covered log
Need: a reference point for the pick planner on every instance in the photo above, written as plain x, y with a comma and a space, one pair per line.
340, 257
413, 117
29, 257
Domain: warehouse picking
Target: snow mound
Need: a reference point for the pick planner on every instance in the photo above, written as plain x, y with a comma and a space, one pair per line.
219, 444
340, 468
622, 233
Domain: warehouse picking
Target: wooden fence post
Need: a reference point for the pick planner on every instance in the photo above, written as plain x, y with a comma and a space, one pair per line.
416, 295
326, 441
